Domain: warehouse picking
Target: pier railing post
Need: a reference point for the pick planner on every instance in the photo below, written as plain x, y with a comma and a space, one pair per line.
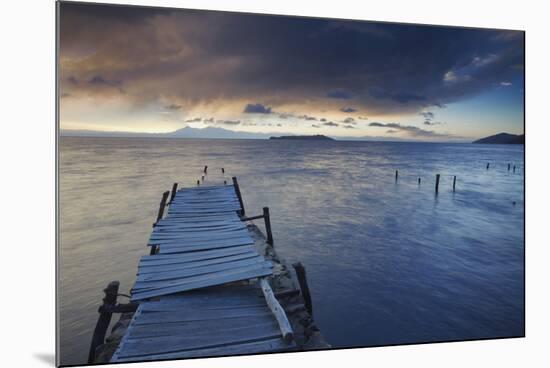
437, 183
159, 215
105, 314
238, 192
173, 194
268, 226
301, 274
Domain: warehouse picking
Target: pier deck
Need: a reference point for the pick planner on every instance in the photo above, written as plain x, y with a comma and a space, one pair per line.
204, 290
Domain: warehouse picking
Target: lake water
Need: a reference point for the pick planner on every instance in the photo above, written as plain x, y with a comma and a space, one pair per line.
387, 262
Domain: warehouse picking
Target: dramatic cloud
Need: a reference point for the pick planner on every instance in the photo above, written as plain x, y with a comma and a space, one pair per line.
331, 124
412, 131
228, 122
195, 120
307, 117
350, 121
173, 107
257, 109
128, 61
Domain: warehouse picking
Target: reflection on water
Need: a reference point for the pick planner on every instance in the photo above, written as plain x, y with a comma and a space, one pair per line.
387, 262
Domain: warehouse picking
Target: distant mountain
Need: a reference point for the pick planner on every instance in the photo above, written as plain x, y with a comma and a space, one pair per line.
317, 137
503, 138
213, 132
187, 132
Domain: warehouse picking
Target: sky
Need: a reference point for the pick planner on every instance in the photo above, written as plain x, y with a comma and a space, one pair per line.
155, 70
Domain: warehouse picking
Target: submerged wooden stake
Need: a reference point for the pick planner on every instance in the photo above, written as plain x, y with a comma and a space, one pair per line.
268, 226
418, 181
277, 310
302, 280
514, 169
198, 183
238, 192
508, 167
487, 166
205, 169
437, 183
454, 183
105, 314
223, 170
396, 175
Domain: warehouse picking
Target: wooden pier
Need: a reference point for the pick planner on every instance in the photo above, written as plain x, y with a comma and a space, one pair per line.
212, 285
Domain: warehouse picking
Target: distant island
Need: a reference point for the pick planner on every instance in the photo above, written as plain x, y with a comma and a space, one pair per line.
318, 137
503, 138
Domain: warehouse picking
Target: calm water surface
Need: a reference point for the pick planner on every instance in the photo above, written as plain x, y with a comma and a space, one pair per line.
387, 262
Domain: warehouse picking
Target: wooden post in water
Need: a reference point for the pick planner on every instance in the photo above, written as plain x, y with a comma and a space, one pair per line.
396, 175
487, 166
437, 183
514, 169
202, 178
159, 216
508, 167
205, 169
301, 274
267, 221
454, 183
198, 183
173, 193
223, 170
105, 314
225, 182
238, 192
419, 181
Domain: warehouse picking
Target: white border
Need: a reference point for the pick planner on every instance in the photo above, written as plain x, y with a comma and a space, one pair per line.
27, 204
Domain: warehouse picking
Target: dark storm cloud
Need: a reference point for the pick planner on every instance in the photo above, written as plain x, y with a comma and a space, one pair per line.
238, 57
339, 94
410, 130
348, 109
257, 109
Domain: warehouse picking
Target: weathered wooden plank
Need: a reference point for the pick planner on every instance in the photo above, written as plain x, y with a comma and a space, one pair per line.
201, 328
268, 345
218, 279
163, 344
192, 257
191, 280
198, 235
145, 278
193, 315
148, 268
174, 248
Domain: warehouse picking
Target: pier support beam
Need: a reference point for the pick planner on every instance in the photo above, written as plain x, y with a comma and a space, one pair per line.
301, 274
238, 192
105, 314
267, 220
159, 215
173, 193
